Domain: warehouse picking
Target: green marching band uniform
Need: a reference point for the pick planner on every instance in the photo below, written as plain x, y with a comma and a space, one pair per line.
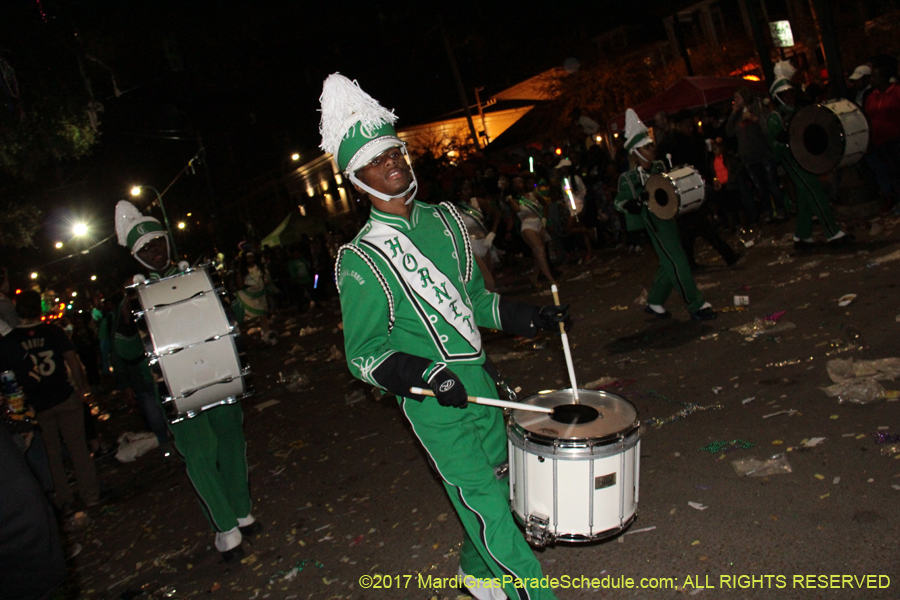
674, 270
212, 443
812, 197
412, 299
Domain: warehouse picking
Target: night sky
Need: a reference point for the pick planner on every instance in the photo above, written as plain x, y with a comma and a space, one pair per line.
245, 76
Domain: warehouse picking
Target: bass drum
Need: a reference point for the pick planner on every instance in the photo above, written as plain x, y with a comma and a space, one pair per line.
680, 191
826, 136
191, 341
573, 474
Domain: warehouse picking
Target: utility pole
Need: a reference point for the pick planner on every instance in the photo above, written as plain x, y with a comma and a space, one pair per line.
459, 86
824, 16
679, 38
487, 139
762, 49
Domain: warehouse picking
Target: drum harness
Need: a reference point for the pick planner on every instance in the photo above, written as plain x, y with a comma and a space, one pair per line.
644, 177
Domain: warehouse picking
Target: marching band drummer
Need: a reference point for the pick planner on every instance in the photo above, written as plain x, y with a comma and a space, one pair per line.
674, 270
411, 267
811, 194
212, 443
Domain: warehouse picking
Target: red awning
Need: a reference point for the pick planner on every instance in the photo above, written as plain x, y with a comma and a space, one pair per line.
689, 93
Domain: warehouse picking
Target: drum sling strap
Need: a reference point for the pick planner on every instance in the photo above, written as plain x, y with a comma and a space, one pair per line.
635, 195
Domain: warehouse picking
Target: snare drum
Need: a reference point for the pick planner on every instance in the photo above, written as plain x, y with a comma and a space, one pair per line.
573, 475
681, 190
826, 136
191, 341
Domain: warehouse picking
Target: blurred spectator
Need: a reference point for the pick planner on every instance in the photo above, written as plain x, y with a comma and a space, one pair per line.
860, 85
756, 155
725, 195
41, 371
32, 563
883, 111
301, 280
9, 320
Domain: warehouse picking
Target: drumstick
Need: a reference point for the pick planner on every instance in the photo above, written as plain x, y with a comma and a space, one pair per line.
565, 342
490, 401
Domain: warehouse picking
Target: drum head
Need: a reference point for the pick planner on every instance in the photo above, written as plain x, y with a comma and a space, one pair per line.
663, 200
817, 139
598, 416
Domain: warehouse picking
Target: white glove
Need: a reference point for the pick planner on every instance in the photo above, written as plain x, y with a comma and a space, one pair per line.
489, 238
138, 279
183, 265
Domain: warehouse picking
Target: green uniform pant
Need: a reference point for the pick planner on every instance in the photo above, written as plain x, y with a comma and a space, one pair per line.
215, 453
674, 270
465, 445
811, 199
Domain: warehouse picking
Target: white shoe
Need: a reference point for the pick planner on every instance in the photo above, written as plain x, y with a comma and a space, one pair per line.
228, 540
481, 593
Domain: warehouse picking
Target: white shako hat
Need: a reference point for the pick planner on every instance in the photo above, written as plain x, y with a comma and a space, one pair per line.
135, 229
355, 128
636, 134
783, 72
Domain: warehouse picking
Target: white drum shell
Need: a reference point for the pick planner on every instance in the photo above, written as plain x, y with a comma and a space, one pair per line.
679, 191
824, 137
193, 343
588, 489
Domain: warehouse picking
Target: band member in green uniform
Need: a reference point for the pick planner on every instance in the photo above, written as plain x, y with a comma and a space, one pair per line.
212, 443
811, 195
674, 270
411, 267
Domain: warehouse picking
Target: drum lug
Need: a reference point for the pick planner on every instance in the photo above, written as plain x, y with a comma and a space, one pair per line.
537, 530
501, 471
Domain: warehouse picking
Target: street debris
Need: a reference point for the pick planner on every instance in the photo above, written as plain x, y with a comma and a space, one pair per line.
264, 405
716, 447
133, 445
856, 391
296, 381
754, 467
790, 412
846, 299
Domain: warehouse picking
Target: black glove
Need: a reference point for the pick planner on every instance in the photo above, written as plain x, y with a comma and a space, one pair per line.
447, 388
549, 317
633, 206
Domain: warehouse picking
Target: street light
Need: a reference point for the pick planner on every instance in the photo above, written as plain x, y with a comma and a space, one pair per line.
295, 156
136, 191
58, 245
80, 229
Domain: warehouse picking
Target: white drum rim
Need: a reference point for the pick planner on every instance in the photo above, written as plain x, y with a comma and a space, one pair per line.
515, 429
208, 267
590, 450
580, 538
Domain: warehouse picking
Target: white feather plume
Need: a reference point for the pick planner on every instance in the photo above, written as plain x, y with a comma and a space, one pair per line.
127, 216
784, 70
343, 105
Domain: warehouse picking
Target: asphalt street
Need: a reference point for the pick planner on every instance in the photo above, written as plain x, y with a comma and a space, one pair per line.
344, 492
